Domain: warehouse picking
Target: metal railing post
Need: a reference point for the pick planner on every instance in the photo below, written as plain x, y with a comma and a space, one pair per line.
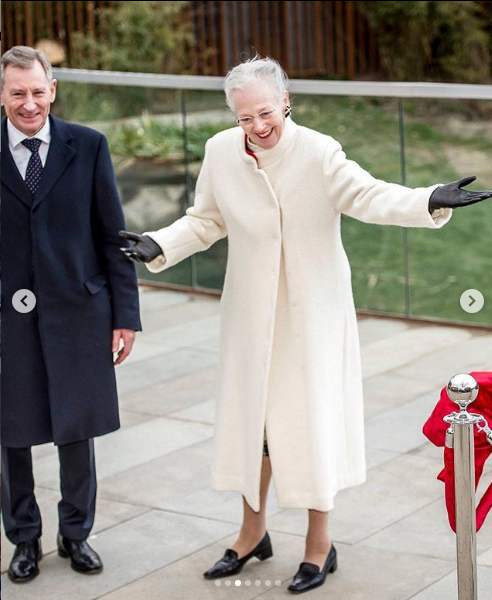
463, 389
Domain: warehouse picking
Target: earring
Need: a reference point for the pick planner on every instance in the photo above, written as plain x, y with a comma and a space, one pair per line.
288, 110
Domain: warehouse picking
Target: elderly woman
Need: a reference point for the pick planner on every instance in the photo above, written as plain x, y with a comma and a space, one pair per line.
290, 393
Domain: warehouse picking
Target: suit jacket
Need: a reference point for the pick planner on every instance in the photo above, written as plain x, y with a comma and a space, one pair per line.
63, 245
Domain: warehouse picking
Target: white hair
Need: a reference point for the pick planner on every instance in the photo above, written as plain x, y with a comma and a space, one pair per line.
246, 73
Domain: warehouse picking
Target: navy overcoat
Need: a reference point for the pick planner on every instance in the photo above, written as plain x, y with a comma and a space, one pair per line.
58, 381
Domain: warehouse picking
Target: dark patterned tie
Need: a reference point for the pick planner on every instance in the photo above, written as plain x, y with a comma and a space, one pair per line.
34, 166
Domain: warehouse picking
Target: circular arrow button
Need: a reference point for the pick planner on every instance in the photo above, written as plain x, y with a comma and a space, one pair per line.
472, 301
23, 301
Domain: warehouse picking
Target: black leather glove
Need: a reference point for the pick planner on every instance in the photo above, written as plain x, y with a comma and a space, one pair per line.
452, 196
144, 250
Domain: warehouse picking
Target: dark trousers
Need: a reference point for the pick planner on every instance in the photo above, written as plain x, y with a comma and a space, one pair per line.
76, 509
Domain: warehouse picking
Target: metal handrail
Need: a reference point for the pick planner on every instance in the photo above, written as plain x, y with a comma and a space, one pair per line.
297, 86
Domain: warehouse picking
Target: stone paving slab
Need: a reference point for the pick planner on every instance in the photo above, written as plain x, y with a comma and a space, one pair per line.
367, 574
143, 350
392, 492
210, 504
375, 458
131, 551
168, 477
187, 334
159, 524
395, 352
411, 535
173, 395
199, 413
362, 574
400, 429
446, 588
127, 448
485, 558
156, 300
373, 329
468, 355
108, 514
388, 391
161, 368
185, 312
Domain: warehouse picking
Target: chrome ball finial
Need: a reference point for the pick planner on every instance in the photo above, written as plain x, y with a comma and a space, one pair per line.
462, 389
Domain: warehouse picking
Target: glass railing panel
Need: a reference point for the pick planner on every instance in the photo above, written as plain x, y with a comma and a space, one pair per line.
144, 128
446, 140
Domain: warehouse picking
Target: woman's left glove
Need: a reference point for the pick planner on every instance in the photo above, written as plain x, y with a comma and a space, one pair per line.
144, 250
452, 196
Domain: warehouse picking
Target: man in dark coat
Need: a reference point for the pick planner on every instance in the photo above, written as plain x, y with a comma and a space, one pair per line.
70, 302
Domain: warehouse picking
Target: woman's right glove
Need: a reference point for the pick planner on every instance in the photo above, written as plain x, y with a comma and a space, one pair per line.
144, 250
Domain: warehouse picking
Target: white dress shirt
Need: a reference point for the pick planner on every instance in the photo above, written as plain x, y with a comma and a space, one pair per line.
20, 153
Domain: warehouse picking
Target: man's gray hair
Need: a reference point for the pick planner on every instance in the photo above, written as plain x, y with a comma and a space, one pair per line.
246, 73
24, 57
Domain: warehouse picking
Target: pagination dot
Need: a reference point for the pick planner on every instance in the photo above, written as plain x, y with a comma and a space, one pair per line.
238, 582
278, 582
217, 583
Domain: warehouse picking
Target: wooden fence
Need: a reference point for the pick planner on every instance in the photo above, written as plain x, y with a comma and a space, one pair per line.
308, 38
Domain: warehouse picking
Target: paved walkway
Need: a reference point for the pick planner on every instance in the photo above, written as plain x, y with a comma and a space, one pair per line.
159, 525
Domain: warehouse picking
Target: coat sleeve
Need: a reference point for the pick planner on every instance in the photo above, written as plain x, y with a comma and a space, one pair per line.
108, 221
355, 192
197, 230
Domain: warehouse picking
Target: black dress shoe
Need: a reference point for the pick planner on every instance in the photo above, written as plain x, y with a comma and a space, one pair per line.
83, 558
230, 564
309, 576
24, 563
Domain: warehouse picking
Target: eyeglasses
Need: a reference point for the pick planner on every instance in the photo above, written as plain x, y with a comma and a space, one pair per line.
264, 116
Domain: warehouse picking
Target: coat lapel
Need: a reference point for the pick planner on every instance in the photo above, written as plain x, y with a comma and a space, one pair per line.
59, 156
10, 173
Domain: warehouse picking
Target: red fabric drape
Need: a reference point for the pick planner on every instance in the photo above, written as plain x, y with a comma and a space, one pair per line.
435, 430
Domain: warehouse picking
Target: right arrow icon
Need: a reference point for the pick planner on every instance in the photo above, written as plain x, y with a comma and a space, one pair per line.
472, 301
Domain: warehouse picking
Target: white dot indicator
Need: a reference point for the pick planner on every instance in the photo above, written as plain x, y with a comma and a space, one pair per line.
278, 582
258, 582
228, 583
247, 583
217, 583
268, 582
238, 582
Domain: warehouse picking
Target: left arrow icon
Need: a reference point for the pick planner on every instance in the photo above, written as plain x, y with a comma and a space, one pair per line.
23, 301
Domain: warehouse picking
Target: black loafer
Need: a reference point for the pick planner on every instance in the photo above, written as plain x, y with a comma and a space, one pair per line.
83, 558
24, 564
230, 564
309, 576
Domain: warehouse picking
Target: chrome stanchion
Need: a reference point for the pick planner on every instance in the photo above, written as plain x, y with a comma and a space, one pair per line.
463, 389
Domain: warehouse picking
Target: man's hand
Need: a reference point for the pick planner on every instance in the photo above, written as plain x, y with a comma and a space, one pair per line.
452, 196
127, 336
144, 250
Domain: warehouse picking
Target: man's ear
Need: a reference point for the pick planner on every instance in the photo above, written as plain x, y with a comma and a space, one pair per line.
53, 90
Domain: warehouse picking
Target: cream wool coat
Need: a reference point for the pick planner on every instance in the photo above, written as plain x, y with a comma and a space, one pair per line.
289, 348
